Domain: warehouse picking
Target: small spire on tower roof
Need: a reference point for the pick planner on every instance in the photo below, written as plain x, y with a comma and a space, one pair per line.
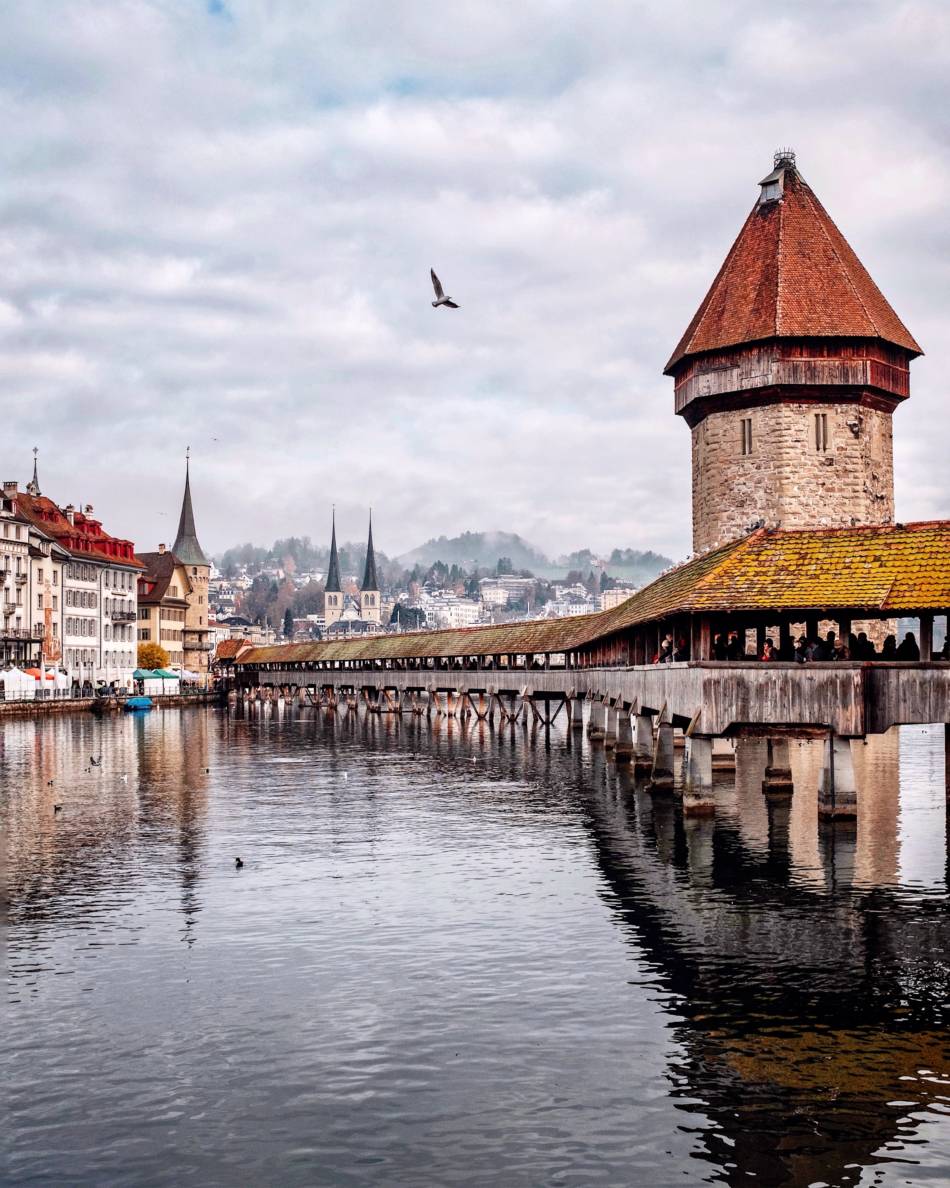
332, 585
370, 578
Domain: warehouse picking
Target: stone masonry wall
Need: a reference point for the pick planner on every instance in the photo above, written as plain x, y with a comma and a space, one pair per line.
785, 480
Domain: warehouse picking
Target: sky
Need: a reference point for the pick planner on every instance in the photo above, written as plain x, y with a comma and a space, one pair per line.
217, 221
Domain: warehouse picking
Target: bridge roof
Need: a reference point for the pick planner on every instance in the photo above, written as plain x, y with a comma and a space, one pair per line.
888, 570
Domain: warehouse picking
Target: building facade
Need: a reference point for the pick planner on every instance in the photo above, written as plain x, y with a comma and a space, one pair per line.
31, 591
82, 585
788, 376
164, 590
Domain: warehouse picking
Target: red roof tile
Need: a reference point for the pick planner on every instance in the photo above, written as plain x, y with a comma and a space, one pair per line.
790, 274
85, 538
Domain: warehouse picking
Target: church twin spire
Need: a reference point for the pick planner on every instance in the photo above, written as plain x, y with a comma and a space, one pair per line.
370, 576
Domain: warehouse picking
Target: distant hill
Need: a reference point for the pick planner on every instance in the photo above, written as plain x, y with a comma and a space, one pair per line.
485, 549
470, 549
476, 548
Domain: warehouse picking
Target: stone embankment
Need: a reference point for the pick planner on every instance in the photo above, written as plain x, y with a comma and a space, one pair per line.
70, 705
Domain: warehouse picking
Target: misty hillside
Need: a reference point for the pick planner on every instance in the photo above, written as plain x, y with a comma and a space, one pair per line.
469, 551
476, 549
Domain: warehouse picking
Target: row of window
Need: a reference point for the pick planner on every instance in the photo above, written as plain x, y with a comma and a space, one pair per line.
115, 606
79, 571
77, 626
87, 599
76, 657
12, 531
822, 439
168, 614
54, 576
39, 602
118, 632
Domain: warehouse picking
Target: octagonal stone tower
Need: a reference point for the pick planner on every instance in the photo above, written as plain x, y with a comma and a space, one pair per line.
788, 376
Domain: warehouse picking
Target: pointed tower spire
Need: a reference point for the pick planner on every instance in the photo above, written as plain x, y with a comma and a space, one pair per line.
370, 578
34, 485
186, 547
332, 585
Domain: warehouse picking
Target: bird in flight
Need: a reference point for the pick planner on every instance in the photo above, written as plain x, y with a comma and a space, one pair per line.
440, 297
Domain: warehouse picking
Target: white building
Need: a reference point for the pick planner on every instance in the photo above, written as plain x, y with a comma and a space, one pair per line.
451, 611
30, 590
96, 593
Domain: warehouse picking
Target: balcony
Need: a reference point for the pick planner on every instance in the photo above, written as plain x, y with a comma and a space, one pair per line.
9, 608
21, 579
123, 616
24, 633
197, 646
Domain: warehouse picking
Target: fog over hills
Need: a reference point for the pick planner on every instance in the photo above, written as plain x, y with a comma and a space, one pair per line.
469, 550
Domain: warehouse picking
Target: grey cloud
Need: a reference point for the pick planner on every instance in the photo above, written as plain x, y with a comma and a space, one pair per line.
222, 228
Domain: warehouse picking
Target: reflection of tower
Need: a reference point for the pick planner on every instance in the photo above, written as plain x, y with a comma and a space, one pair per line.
333, 591
876, 770
369, 590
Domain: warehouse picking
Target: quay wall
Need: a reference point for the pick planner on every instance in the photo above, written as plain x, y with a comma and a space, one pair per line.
71, 705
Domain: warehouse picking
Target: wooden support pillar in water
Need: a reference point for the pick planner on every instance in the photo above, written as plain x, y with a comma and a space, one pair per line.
778, 769
643, 744
723, 754
577, 713
610, 726
598, 716
698, 786
661, 775
838, 792
623, 752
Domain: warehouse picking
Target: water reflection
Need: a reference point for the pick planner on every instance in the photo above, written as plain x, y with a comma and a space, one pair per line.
777, 1012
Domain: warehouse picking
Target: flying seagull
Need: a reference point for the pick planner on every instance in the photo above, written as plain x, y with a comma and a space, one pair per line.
440, 297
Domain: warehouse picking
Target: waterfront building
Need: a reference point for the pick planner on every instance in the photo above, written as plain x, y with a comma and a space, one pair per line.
174, 596
164, 590
31, 569
96, 574
788, 376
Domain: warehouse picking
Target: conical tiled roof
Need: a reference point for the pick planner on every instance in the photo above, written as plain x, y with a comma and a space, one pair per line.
186, 547
370, 578
790, 274
332, 585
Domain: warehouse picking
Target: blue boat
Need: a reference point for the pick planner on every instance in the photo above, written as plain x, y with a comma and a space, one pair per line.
138, 703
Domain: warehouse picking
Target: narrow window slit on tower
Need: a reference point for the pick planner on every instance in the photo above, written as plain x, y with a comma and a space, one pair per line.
746, 426
821, 432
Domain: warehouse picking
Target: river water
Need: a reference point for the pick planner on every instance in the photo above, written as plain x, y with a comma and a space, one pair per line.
457, 955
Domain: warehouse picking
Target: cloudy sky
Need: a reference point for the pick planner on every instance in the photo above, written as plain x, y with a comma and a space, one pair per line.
217, 221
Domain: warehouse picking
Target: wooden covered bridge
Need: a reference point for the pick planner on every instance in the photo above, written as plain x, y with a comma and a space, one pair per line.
769, 584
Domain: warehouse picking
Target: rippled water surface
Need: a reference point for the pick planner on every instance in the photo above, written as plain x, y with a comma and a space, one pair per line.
457, 955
